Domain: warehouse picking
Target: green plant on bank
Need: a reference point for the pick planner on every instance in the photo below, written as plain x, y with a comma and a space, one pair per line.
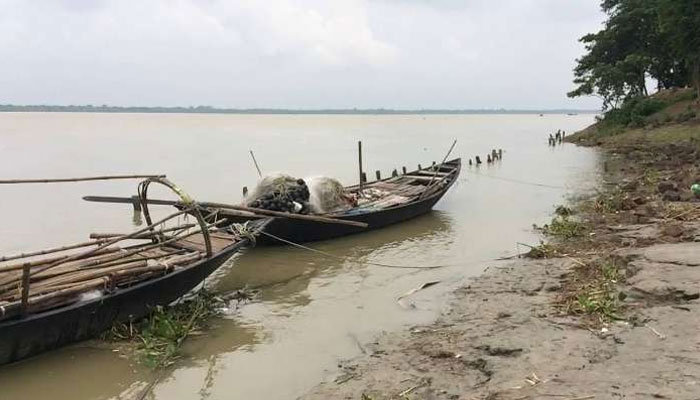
651, 177
564, 227
543, 250
633, 112
158, 336
610, 201
597, 296
563, 211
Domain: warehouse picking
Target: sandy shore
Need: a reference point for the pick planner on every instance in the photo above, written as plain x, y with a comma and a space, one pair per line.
526, 329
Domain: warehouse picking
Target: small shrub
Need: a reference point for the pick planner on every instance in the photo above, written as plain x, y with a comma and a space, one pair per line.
563, 211
633, 112
543, 250
564, 227
611, 201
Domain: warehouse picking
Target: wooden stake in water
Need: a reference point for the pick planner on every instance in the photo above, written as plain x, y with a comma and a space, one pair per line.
359, 151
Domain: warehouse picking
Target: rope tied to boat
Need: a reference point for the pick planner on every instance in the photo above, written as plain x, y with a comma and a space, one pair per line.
300, 246
244, 231
517, 181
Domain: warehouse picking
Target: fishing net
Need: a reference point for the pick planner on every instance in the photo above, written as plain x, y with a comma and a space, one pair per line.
317, 195
280, 192
328, 195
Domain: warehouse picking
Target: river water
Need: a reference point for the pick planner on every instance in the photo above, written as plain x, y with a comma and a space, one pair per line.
312, 311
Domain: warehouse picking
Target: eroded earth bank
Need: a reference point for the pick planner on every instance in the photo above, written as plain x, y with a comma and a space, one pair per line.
606, 308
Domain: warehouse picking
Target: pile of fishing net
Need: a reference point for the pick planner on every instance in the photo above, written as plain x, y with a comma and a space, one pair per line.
318, 195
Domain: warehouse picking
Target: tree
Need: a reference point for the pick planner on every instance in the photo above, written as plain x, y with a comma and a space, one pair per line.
631, 47
680, 23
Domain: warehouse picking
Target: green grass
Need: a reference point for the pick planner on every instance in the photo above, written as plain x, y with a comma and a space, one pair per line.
663, 118
543, 250
594, 293
610, 201
158, 337
563, 227
563, 211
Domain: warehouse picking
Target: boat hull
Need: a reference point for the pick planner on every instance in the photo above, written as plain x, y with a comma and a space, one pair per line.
299, 231
37, 333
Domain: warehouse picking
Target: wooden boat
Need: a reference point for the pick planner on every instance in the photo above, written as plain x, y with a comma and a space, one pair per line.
50, 302
380, 203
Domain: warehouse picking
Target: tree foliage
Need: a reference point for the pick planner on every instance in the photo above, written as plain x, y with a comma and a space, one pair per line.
679, 22
640, 39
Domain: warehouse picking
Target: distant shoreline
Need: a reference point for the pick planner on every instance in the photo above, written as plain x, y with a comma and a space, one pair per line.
272, 111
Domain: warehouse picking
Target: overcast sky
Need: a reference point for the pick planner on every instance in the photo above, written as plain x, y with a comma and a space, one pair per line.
294, 54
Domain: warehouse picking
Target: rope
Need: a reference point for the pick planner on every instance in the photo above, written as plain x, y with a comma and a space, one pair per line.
244, 231
297, 245
518, 181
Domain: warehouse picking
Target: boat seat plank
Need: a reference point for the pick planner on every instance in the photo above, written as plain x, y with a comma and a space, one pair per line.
431, 173
196, 242
419, 178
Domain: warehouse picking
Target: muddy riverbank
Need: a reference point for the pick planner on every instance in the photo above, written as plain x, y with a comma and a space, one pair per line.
609, 309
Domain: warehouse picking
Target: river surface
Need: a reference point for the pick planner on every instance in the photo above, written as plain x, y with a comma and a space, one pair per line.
312, 311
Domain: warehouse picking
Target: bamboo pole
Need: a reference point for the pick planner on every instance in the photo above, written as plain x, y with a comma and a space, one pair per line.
82, 179
58, 281
256, 163
52, 250
107, 244
124, 237
25, 290
129, 253
14, 267
81, 276
430, 184
102, 236
259, 211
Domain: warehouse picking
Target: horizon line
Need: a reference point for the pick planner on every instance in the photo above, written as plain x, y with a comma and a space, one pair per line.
272, 110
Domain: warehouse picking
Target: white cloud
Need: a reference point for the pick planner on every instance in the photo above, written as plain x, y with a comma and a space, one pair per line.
284, 53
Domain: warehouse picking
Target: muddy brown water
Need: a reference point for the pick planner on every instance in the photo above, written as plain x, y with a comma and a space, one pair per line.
312, 311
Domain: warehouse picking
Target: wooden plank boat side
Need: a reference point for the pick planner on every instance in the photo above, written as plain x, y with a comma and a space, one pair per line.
37, 333
303, 231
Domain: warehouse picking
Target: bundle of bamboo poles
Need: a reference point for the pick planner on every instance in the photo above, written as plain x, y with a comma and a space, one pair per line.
29, 286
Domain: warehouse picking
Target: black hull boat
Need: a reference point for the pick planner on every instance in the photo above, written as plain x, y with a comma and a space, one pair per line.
380, 203
402, 197
77, 296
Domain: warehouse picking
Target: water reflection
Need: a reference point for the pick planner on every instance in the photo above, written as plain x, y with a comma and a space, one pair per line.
60, 371
203, 357
285, 271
